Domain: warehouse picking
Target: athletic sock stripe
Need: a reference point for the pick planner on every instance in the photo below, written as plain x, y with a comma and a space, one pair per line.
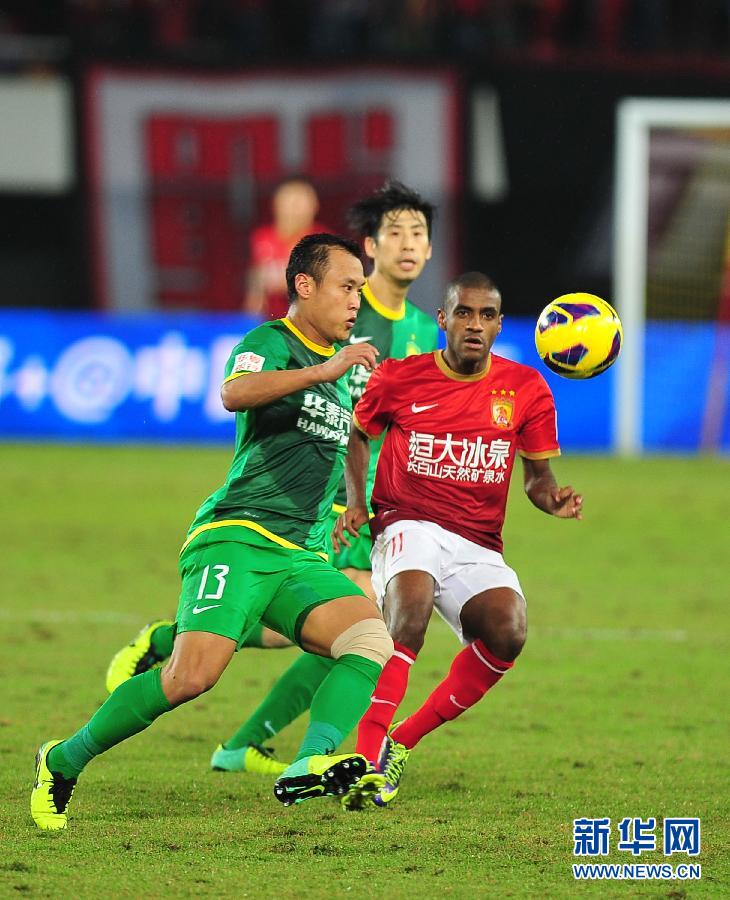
406, 659
486, 661
456, 702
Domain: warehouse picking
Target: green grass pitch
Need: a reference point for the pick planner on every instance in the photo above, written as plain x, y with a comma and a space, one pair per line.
617, 707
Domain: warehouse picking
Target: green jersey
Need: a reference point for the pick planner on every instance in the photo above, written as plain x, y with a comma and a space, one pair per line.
289, 455
396, 334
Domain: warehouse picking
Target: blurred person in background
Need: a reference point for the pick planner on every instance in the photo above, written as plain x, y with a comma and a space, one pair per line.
294, 207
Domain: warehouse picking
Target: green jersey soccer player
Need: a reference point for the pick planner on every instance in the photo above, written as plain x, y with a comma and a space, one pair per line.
394, 224
257, 547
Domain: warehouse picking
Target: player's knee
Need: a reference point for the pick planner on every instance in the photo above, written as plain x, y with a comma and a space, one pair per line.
504, 629
517, 634
410, 634
407, 623
408, 606
368, 638
507, 638
513, 640
180, 687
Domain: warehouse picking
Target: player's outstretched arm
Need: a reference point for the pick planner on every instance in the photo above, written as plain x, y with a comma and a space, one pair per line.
356, 469
258, 388
542, 489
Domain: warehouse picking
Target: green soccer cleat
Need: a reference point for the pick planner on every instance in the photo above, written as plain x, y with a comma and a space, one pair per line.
135, 658
51, 793
319, 776
393, 759
362, 794
251, 758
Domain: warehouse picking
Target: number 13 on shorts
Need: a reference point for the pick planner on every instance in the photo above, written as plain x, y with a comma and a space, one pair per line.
211, 575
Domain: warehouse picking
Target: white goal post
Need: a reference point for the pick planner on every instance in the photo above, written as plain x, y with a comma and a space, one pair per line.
635, 119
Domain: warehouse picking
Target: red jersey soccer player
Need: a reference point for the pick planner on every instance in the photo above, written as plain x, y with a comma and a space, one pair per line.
456, 420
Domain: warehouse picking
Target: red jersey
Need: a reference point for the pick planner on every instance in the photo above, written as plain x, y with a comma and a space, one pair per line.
270, 252
452, 440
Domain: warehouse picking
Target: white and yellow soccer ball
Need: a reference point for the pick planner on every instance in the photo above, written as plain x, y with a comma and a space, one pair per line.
578, 335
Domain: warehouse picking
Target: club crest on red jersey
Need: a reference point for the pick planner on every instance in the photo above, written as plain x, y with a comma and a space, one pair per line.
502, 411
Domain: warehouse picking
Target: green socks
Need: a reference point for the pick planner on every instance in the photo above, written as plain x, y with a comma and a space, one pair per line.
320, 738
337, 691
70, 757
290, 696
132, 707
339, 703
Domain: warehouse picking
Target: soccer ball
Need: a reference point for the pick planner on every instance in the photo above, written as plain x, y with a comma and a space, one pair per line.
578, 335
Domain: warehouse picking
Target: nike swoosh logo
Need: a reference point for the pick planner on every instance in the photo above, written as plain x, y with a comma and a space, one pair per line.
360, 340
199, 609
417, 409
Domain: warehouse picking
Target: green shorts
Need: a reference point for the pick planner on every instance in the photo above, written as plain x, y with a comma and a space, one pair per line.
230, 586
358, 555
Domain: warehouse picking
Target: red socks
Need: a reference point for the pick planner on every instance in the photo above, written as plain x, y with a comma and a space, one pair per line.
386, 699
473, 672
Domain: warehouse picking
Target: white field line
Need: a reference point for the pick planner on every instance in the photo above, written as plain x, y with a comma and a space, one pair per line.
70, 616
108, 617
671, 635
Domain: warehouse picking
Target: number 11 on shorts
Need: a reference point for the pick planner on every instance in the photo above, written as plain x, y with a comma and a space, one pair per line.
396, 544
219, 573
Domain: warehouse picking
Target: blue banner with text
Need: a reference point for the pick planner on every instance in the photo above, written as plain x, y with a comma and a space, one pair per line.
92, 377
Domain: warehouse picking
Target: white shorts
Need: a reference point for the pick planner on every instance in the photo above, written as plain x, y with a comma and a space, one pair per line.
460, 568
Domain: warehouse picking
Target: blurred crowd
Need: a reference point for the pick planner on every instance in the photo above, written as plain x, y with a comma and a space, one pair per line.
364, 30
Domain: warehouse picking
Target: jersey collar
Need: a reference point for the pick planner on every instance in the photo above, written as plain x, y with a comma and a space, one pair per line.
385, 311
449, 372
318, 348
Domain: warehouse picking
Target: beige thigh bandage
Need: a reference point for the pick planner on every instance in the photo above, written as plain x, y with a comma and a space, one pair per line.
368, 638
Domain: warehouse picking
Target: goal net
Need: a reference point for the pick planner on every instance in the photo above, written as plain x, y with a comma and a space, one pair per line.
672, 275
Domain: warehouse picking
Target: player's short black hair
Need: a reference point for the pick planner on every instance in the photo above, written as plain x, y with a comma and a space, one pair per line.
475, 280
311, 256
366, 216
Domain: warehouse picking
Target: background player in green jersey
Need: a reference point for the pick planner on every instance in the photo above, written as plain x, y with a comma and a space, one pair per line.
256, 549
395, 225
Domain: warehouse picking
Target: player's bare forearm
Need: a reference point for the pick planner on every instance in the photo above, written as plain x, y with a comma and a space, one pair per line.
258, 388
540, 490
543, 491
356, 468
